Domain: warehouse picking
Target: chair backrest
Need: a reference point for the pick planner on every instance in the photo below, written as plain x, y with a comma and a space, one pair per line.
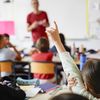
6, 68
42, 67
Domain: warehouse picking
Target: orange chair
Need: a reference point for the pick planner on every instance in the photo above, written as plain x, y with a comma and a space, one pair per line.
43, 68
6, 68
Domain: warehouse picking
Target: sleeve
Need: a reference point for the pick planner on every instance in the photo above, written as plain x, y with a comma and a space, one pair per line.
69, 65
11, 55
50, 56
72, 70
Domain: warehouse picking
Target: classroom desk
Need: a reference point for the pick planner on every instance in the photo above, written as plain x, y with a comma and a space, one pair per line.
46, 96
55, 59
27, 59
94, 56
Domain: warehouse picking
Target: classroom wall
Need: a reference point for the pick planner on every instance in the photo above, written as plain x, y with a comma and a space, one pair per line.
18, 11
93, 27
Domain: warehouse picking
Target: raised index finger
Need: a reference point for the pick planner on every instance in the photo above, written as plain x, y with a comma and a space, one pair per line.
55, 25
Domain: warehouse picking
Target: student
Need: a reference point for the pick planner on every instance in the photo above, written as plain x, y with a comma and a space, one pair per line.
68, 96
88, 83
6, 53
37, 21
54, 50
42, 54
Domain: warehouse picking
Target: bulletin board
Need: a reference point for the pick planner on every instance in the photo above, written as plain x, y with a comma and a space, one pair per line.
7, 27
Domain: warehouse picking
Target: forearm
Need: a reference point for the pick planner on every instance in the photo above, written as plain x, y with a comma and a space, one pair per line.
59, 46
18, 56
16, 50
30, 28
46, 24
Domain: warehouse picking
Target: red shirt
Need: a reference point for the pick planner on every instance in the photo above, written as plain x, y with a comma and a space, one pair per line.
40, 30
43, 57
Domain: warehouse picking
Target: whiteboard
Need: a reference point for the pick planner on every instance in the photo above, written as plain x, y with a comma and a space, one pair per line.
94, 18
71, 16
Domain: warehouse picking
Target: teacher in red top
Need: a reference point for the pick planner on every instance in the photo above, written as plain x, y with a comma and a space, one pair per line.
37, 22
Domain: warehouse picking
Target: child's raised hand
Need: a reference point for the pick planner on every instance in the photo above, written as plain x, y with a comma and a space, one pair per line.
53, 33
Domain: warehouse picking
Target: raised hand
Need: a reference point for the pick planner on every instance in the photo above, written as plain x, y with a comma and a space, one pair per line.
53, 33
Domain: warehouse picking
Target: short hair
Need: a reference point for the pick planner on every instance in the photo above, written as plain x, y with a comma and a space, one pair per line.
6, 35
69, 96
42, 44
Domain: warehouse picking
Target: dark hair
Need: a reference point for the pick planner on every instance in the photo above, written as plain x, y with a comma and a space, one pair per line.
69, 96
6, 35
1, 37
42, 44
91, 76
62, 38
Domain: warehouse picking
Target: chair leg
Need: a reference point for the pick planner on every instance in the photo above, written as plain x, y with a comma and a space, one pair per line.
29, 76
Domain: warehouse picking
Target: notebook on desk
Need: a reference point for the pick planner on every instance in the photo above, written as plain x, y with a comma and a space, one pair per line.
48, 86
30, 90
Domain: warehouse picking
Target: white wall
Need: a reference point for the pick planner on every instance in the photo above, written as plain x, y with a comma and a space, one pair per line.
19, 9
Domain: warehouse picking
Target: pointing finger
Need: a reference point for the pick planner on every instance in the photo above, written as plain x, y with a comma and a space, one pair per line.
55, 25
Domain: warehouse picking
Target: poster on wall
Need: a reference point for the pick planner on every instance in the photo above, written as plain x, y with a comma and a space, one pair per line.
7, 27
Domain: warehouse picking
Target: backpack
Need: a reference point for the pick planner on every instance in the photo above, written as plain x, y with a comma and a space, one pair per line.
9, 90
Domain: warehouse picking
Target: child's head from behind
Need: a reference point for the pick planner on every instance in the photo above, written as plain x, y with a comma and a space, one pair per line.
91, 77
68, 96
42, 44
6, 35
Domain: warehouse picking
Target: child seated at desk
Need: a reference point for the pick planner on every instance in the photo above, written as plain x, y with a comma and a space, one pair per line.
9, 54
41, 53
87, 83
62, 37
